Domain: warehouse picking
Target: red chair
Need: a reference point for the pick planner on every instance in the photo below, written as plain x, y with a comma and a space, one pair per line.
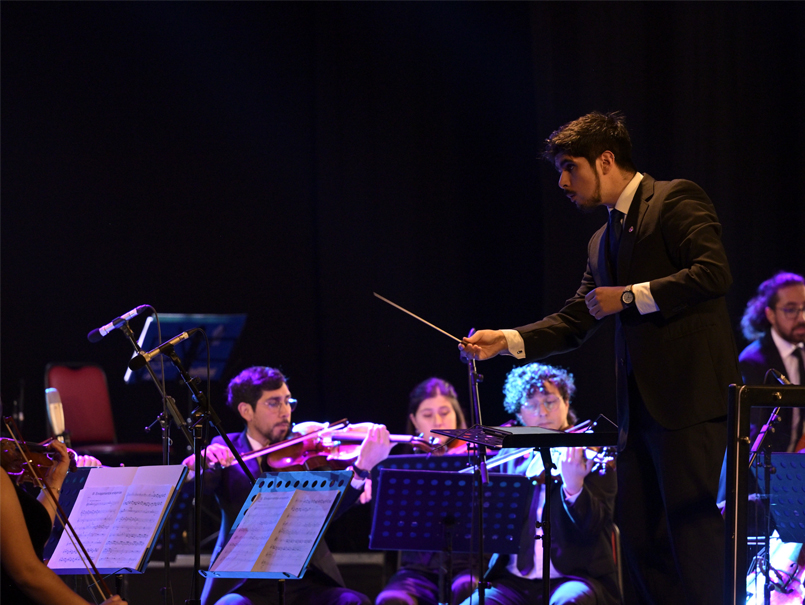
88, 411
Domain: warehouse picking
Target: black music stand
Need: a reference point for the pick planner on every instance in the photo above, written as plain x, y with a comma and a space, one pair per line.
741, 400
543, 440
222, 330
433, 511
787, 496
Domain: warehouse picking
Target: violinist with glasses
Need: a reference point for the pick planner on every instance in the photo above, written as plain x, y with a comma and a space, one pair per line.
583, 569
260, 395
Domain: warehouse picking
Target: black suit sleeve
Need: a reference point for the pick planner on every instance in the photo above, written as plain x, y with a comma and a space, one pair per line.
565, 330
692, 236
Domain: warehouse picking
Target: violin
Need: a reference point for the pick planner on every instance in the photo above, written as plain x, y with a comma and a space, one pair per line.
315, 445
28, 462
36, 462
786, 574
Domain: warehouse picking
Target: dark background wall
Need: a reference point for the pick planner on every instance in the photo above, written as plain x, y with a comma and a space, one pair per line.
287, 160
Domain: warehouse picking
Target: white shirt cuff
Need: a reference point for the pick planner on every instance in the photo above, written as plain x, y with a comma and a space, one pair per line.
514, 344
573, 498
643, 298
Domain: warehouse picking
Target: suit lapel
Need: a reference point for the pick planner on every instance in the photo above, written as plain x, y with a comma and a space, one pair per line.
631, 226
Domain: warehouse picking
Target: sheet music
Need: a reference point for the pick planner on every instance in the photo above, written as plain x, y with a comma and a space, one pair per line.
92, 517
134, 525
116, 516
253, 532
291, 543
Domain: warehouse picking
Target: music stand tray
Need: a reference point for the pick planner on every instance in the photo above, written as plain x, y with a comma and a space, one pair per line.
291, 512
432, 511
528, 436
222, 331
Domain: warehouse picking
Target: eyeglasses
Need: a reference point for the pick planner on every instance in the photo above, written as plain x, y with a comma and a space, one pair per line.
549, 402
791, 312
275, 402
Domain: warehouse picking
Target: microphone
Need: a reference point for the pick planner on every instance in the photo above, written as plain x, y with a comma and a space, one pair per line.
780, 377
99, 333
139, 361
55, 413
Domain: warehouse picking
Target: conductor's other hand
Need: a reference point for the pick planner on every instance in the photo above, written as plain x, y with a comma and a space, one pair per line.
375, 447
604, 301
483, 344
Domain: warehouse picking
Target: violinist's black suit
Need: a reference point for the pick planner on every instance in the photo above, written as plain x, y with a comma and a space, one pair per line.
231, 487
755, 360
673, 368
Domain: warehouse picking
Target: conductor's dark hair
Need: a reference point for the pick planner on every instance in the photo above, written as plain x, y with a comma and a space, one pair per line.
754, 324
249, 385
591, 135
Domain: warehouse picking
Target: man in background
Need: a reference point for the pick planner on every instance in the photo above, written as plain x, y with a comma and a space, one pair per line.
774, 323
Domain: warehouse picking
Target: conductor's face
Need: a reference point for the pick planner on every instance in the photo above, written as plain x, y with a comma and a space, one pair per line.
270, 419
579, 181
545, 408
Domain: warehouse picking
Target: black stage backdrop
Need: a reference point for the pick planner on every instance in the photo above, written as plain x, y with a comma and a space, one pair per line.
287, 160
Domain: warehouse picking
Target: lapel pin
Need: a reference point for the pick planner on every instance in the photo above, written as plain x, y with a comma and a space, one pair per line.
631, 228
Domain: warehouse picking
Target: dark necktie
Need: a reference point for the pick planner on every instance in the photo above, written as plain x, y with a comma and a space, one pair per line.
799, 354
614, 233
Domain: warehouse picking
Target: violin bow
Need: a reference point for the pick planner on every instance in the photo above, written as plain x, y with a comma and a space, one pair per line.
274, 447
96, 576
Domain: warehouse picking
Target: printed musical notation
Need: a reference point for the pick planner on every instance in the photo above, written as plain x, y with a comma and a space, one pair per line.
117, 522
141, 510
92, 517
290, 545
277, 532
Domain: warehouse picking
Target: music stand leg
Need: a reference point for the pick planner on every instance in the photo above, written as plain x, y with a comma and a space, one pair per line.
547, 464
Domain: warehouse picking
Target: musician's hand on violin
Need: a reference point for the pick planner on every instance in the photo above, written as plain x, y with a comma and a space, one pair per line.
215, 453
83, 460
58, 471
484, 344
574, 467
366, 496
375, 447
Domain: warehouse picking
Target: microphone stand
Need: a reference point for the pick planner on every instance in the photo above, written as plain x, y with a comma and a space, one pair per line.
481, 473
168, 407
203, 414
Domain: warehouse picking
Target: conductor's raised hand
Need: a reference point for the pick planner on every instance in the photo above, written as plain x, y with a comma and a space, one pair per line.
604, 301
483, 344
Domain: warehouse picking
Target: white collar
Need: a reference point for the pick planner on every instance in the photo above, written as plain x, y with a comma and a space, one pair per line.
784, 347
256, 445
625, 198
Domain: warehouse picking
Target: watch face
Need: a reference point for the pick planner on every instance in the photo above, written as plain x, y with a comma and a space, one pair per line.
627, 297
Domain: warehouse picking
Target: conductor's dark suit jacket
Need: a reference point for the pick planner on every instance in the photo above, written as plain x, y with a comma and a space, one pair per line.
581, 533
231, 487
683, 357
